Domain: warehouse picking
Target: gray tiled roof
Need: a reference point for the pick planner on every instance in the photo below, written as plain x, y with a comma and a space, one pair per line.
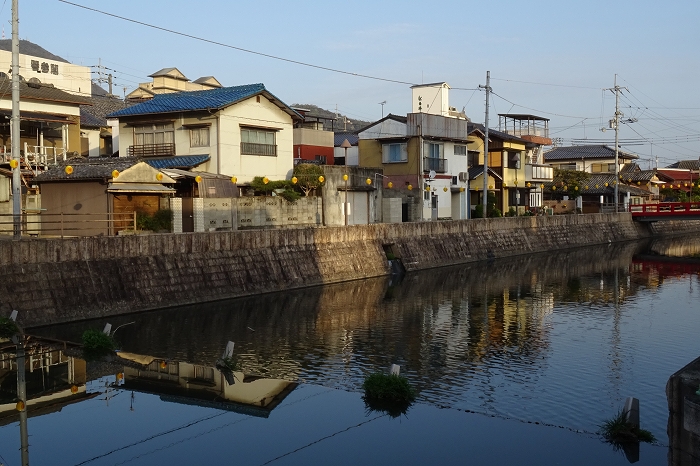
686, 164
41, 92
95, 115
599, 180
586, 153
92, 168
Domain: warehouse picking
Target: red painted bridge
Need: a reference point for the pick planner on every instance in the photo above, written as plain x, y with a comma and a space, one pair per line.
665, 211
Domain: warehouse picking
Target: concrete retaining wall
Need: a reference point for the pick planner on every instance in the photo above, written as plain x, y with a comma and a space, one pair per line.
53, 280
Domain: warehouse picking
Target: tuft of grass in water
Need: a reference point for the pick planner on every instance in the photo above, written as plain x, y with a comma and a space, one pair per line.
8, 328
619, 432
390, 394
385, 387
97, 344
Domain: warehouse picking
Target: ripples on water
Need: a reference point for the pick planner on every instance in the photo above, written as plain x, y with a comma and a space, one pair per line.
559, 339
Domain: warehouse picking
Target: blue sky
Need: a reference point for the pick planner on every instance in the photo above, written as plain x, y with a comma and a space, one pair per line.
572, 50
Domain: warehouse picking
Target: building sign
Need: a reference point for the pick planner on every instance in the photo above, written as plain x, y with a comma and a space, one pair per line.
44, 67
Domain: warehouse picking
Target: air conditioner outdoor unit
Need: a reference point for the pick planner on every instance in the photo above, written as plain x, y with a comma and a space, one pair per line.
463, 176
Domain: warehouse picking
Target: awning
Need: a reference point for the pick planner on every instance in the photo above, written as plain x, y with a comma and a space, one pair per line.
139, 188
38, 116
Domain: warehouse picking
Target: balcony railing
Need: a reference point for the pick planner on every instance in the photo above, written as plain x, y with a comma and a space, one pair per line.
536, 172
436, 165
251, 148
152, 150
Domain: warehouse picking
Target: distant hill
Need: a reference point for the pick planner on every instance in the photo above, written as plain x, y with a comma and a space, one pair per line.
339, 124
30, 48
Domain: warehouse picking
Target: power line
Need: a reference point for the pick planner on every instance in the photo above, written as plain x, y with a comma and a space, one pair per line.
240, 49
546, 84
533, 109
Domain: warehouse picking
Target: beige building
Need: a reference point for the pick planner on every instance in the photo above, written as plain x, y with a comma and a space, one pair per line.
169, 80
240, 131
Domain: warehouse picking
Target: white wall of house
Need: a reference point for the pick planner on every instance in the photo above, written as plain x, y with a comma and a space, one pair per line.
353, 155
386, 129
114, 125
93, 137
224, 146
37, 106
253, 114
433, 99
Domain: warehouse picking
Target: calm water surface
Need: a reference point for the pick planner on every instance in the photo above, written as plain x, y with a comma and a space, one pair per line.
529, 356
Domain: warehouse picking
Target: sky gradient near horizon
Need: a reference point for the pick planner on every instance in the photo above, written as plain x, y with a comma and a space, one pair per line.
546, 57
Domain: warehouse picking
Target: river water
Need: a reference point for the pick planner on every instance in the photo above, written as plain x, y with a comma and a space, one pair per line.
516, 361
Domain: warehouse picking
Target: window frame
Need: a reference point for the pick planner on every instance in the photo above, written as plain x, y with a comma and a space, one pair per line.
402, 153
200, 129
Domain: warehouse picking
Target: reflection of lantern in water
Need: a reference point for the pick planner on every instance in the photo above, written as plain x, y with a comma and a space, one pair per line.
163, 364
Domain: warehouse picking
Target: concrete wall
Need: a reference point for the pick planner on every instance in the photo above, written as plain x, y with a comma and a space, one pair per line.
53, 280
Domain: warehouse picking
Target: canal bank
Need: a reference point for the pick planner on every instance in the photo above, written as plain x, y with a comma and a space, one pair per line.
62, 280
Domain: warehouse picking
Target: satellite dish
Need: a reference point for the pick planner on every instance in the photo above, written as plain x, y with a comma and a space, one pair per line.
431, 175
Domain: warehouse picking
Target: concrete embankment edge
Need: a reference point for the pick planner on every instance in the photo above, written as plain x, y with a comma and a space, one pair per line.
53, 280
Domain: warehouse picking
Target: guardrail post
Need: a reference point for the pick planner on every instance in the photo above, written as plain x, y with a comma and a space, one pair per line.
134, 221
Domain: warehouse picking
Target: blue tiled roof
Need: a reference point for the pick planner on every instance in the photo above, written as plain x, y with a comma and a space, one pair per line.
179, 161
198, 100
352, 138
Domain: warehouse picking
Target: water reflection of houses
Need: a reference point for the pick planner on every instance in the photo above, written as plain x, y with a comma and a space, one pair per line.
194, 384
53, 379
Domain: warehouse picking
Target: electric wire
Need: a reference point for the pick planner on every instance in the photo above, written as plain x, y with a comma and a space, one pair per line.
240, 49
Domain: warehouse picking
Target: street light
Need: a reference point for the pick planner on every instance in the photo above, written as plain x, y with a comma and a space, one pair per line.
346, 145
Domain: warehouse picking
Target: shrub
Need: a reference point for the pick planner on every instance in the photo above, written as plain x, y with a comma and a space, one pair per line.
495, 213
97, 344
479, 211
160, 220
512, 212
619, 432
8, 328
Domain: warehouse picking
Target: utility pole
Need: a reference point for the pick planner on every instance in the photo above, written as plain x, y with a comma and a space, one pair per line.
487, 87
15, 132
22, 398
382, 103
617, 142
615, 124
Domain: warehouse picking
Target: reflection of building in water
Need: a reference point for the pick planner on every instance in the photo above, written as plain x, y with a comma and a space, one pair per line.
683, 395
186, 383
53, 379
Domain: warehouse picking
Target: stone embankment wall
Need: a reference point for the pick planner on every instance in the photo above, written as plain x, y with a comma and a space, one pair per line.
54, 280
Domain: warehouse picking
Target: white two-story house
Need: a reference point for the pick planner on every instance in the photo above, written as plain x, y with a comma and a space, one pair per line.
242, 131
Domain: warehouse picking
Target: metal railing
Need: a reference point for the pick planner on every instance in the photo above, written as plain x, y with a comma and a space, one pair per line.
35, 157
69, 224
437, 165
251, 148
152, 150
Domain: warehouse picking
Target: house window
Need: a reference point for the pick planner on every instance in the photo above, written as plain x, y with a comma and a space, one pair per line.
433, 150
160, 133
473, 159
320, 159
460, 150
394, 153
567, 166
258, 142
603, 168
199, 137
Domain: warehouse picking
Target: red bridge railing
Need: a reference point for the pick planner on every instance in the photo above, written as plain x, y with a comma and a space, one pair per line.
665, 209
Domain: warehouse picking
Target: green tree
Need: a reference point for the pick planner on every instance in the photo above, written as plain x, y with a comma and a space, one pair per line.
570, 182
308, 177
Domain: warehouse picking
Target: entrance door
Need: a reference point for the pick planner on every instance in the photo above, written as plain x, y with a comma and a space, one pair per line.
187, 215
433, 207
